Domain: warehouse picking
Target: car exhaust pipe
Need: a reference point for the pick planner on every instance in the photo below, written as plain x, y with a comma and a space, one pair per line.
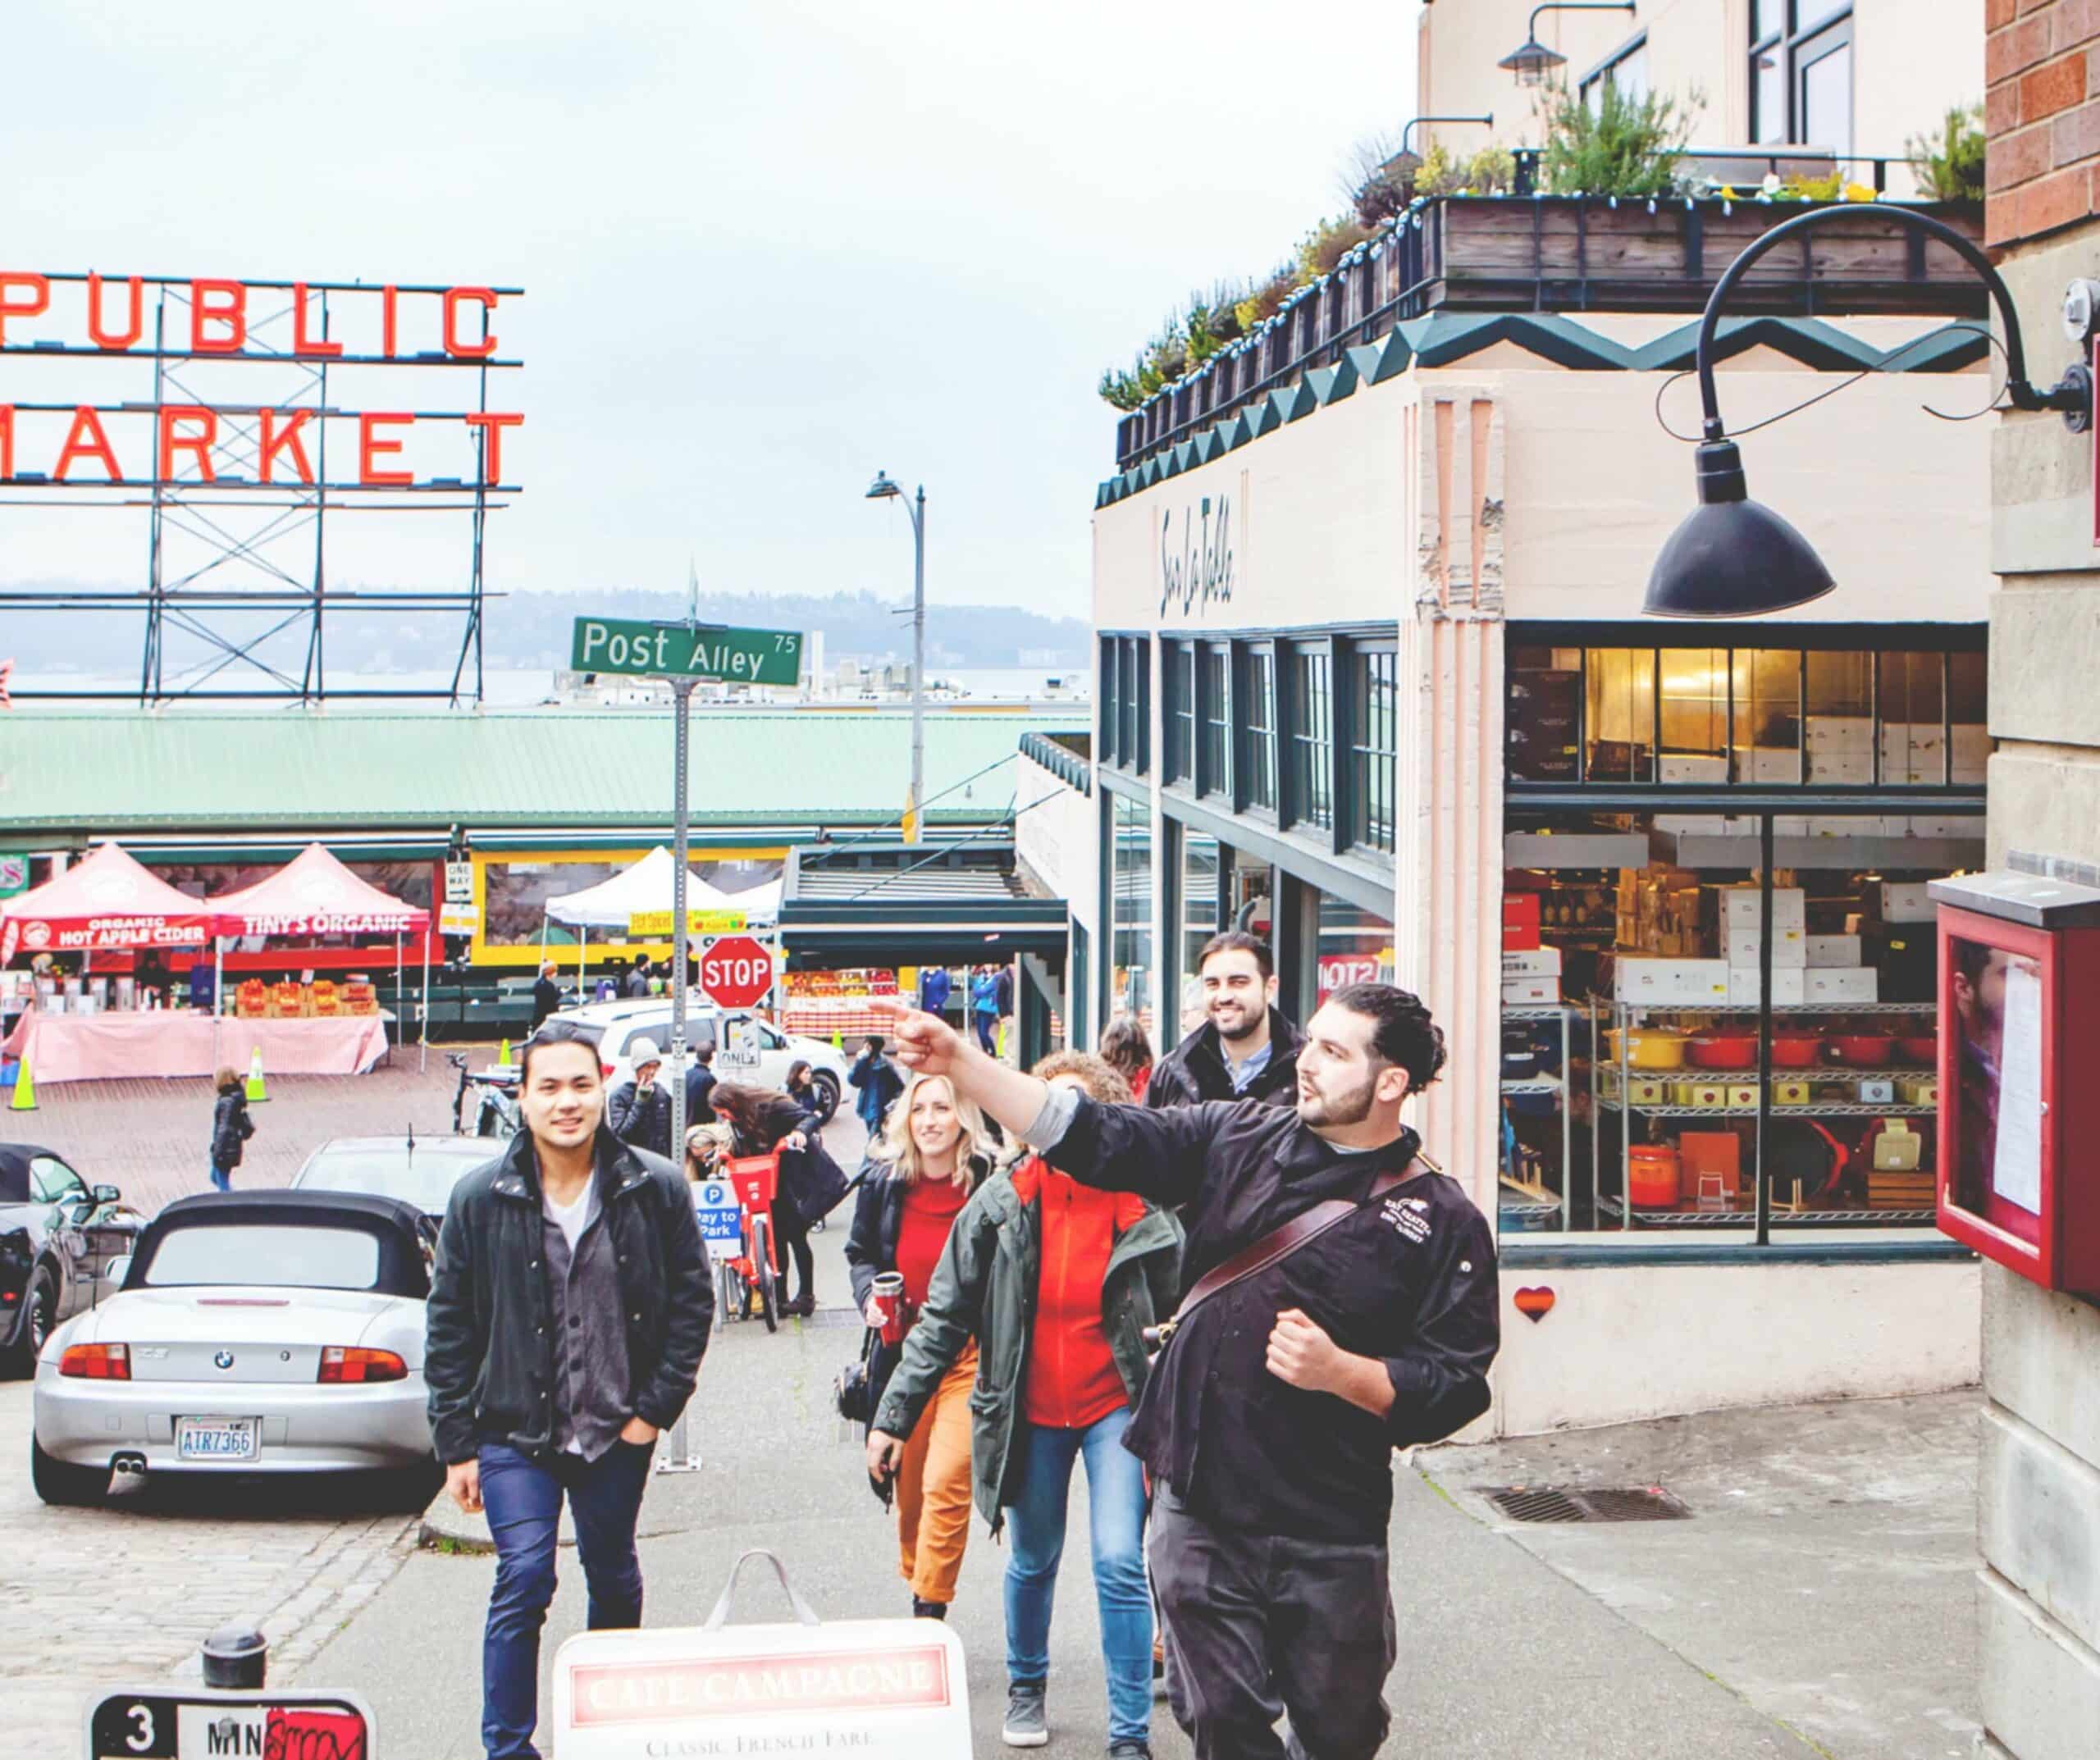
129, 1467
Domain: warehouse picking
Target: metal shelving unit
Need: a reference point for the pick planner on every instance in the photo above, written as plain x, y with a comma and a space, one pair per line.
1828, 1110
1564, 1014
1781, 1218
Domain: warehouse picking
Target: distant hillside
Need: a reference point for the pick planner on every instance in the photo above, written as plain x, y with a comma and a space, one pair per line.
533, 630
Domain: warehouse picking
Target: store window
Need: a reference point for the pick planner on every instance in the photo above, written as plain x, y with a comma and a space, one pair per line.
1629, 1025
1178, 665
1131, 951
1696, 717
1214, 766
1081, 1024
1257, 744
1312, 735
1800, 73
1109, 695
1199, 906
1356, 947
1374, 745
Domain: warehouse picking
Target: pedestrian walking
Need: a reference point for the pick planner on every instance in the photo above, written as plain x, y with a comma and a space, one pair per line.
231, 1127
568, 1311
700, 1085
935, 986
931, 1158
1056, 1283
1125, 1050
801, 1087
1003, 999
1246, 1049
985, 1007
639, 1110
1362, 1317
546, 995
759, 1122
877, 1082
637, 977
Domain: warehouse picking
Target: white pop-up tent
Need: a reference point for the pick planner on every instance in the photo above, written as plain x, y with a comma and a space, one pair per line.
646, 887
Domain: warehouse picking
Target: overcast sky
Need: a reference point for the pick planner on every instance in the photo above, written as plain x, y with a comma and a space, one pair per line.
767, 247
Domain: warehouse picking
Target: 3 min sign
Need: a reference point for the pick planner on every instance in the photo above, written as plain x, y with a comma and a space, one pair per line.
687, 650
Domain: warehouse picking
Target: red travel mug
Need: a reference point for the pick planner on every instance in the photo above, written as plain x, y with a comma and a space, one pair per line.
888, 1297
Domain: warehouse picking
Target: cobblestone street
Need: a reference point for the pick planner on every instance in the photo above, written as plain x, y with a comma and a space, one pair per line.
91, 1597
151, 1137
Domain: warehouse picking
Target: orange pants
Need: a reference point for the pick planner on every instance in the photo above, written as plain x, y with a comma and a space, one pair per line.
932, 1487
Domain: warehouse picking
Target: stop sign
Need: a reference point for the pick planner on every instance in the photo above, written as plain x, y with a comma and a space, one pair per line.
736, 971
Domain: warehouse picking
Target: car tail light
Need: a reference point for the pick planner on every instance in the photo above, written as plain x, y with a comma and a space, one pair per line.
346, 1363
97, 1362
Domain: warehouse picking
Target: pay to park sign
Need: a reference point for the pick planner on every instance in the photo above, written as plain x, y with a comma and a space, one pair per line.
687, 650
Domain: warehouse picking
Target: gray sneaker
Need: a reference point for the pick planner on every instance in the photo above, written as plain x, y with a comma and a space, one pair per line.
1026, 1727
1130, 1750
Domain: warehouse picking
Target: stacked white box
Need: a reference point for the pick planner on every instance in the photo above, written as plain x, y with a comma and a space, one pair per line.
1743, 948
1826, 951
1742, 908
1680, 768
1836, 984
1789, 986
1678, 983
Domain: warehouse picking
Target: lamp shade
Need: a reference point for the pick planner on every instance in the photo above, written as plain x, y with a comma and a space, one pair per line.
1732, 557
1532, 61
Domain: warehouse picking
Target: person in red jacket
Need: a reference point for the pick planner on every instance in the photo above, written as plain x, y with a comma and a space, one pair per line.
1054, 1282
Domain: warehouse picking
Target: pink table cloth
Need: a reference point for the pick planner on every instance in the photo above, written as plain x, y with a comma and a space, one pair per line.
177, 1042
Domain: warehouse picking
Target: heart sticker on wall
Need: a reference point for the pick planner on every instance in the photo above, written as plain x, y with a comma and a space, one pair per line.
1535, 1304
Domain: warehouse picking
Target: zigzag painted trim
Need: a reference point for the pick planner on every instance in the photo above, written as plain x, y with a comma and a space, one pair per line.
1443, 339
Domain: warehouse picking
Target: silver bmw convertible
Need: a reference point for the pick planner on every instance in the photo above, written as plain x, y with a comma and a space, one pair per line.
264, 1332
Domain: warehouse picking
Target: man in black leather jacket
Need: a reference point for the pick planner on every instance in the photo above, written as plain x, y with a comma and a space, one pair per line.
569, 1312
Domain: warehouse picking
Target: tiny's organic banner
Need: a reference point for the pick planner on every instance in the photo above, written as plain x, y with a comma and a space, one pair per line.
687, 650
653, 925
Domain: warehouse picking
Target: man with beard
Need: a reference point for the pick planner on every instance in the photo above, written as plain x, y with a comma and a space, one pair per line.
1353, 1311
1245, 1049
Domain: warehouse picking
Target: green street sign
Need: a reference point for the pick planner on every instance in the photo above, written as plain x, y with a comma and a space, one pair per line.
680, 650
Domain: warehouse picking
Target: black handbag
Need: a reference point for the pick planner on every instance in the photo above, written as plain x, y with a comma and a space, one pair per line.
853, 1392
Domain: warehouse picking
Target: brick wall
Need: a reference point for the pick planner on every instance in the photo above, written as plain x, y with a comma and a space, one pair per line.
2042, 113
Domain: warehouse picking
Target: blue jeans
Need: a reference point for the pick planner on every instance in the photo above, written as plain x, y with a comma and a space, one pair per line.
522, 1497
1115, 1494
221, 1177
987, 1030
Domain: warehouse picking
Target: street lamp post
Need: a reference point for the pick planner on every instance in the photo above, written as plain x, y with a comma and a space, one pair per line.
882, 489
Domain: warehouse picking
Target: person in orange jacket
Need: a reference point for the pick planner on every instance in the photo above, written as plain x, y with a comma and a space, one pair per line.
1055, 1283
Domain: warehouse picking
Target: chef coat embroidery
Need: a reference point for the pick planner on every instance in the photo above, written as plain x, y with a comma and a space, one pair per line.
1410, 1215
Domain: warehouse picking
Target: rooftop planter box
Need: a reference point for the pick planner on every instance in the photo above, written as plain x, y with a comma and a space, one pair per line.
1588, 253
1570, 254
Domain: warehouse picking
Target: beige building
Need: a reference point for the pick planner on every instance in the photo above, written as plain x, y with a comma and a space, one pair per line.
1852, 77
1374, 681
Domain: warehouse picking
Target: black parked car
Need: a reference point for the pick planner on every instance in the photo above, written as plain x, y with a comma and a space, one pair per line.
58, 1237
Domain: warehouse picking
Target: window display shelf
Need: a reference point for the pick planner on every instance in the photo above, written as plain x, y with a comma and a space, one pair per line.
1781, 1218
1829, 1109
1543, 1084
1607, 1005
1552, 1011
1528, 1213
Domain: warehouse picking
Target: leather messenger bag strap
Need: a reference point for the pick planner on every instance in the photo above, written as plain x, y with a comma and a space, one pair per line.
1302, 1230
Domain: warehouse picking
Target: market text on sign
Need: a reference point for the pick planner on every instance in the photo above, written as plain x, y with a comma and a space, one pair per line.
139, 444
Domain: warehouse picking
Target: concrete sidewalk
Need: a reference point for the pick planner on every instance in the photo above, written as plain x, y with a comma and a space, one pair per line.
1819, 1602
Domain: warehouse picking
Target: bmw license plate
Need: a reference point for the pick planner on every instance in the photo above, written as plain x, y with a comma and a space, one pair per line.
218, 1438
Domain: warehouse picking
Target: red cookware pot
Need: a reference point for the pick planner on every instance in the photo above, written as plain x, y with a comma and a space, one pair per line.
1724, 1051
1863, 1051
1652, 1176
1919, 1049
1796, 1050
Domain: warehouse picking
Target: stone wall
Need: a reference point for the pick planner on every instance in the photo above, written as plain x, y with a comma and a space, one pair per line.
2040, 1525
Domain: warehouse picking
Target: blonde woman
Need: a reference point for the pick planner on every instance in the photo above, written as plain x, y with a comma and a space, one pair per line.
932, 1155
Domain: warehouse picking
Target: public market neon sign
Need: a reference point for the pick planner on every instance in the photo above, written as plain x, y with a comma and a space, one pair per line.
209, 319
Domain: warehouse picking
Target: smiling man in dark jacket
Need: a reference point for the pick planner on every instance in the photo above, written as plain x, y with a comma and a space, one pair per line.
1246, 1049
569, 1312
1269, 1421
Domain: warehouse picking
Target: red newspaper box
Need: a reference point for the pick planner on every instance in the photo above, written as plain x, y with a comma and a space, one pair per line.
2019, 1174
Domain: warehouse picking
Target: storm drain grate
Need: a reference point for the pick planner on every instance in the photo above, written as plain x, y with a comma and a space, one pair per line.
1554, 1503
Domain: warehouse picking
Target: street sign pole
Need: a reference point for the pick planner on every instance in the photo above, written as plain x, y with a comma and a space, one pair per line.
678, 1455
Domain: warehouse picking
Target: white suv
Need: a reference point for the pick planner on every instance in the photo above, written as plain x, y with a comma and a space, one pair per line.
620, 1023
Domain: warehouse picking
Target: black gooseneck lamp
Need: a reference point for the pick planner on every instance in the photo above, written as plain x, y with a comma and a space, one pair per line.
1735, 558
1532, 61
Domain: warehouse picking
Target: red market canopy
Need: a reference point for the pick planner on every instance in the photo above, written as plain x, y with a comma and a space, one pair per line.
314, 895
106, 900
